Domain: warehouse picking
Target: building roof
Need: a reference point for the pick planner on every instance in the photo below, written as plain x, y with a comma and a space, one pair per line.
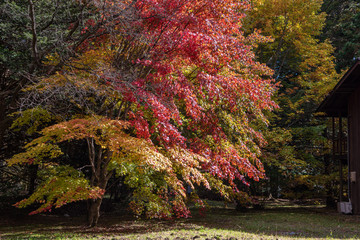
336, 102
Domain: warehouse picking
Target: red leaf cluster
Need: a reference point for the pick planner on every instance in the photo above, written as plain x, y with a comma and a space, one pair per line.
199, 66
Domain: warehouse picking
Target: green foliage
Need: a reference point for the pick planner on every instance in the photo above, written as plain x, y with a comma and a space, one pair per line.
305, 70
32, 120
38, 151
26, 40
14, 51
60, 185
342, 28
52, 25
147, 171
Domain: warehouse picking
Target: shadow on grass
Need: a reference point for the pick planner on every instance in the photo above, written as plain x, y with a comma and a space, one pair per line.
219, 223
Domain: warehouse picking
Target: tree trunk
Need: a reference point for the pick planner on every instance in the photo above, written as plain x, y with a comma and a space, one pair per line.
33, 169
94, 211
99, 160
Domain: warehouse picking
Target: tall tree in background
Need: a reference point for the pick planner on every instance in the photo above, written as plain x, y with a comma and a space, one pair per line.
166, 94
343, 29
30, 32
304, 67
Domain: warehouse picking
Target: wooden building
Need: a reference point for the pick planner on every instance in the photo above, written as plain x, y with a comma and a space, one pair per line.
343, 105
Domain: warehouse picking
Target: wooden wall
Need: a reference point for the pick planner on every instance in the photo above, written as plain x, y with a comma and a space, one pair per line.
354, 148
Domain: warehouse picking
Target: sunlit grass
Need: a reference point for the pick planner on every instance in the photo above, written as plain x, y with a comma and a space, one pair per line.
219, 223
205, 233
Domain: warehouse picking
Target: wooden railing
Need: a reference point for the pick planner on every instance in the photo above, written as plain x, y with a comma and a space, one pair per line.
339, 139
340, 146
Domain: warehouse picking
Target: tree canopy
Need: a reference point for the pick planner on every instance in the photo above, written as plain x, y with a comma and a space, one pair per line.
164, 92
305, 70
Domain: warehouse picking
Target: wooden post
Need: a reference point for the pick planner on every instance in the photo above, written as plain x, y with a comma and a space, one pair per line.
333, 138
340, 160
348, 156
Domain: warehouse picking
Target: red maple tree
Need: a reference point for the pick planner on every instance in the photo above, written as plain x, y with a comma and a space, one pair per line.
183, 76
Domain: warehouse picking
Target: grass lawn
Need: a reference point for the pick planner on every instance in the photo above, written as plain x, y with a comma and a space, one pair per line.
291, 222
